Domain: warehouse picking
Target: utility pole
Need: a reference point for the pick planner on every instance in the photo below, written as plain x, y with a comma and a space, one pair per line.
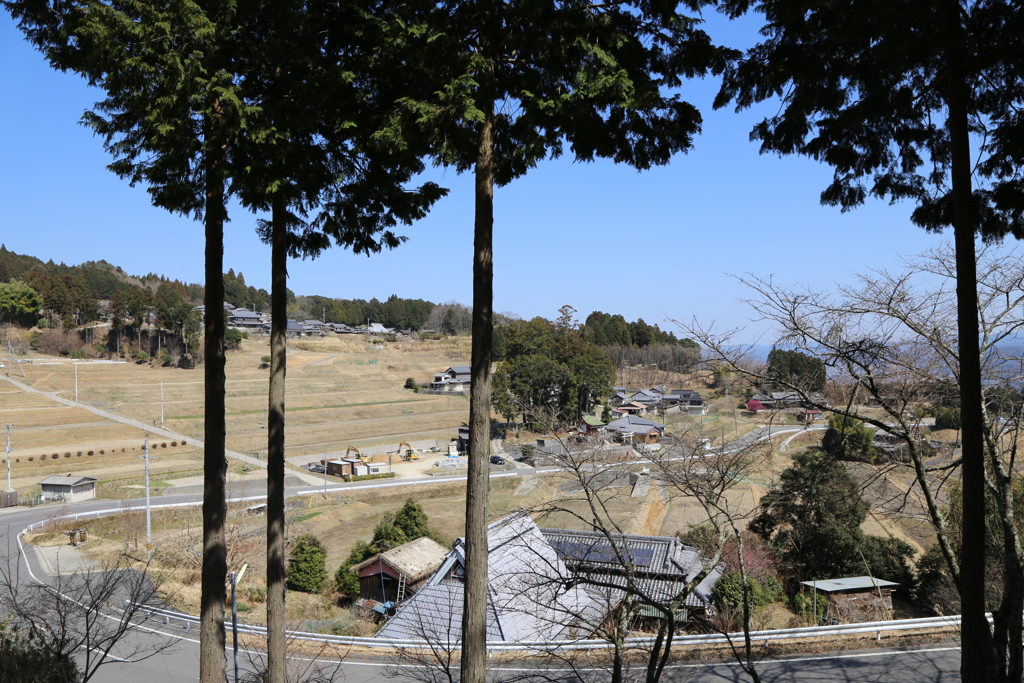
234, 612
162, 404
149, 526
9, 449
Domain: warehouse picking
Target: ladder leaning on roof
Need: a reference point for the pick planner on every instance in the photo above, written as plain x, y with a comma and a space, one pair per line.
401, 588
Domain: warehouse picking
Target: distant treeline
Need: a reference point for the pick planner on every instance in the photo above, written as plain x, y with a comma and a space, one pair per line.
637, 343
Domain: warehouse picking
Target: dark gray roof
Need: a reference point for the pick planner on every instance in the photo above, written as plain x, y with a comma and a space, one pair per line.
460, 369
633, 424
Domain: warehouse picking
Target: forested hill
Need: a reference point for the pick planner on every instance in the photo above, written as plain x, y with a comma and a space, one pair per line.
72, 293
99, 277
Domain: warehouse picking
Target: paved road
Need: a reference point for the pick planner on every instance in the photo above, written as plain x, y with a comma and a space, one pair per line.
180, 665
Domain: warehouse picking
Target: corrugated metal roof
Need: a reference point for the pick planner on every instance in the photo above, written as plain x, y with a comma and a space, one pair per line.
69, 480
850, 583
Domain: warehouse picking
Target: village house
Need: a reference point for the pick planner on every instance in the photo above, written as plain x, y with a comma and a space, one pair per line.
636, 429
540, 586
455, 378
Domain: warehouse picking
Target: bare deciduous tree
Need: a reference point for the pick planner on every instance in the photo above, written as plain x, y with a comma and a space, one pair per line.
89, 615
892, 337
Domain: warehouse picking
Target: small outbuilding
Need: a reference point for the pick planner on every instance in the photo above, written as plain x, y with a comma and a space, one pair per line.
70, 488
854, 599
390, 577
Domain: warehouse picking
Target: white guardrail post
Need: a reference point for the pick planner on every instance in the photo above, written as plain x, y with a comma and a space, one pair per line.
876, 627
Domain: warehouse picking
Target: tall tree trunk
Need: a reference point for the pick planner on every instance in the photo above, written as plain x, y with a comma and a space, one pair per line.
474, 611
275, 444
977, 659
212, 662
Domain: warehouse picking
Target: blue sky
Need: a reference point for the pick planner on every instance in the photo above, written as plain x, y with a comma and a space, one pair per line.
652, 245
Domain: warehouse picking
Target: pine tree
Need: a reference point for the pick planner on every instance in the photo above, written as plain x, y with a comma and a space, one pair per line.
889, 95
504, 85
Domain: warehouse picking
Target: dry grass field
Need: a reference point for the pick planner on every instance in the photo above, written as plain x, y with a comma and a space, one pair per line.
340, 391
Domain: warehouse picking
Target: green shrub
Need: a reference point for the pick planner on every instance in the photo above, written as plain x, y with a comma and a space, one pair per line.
264, 359
307, 567
946, 418
141, 355
367, 477
729, 591
78, 353
100, 349
26, 657
410, 383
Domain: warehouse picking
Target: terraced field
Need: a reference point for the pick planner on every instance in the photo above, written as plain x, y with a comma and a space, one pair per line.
340, 392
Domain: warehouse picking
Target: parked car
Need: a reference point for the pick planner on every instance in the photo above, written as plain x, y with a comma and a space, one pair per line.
497, 460
317, 469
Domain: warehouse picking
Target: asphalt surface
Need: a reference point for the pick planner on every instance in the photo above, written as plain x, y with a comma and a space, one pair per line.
180, 663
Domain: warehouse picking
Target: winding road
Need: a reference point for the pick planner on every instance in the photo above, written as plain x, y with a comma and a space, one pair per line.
180, 664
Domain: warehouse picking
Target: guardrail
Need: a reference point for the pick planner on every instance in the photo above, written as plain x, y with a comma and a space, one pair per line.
760, 637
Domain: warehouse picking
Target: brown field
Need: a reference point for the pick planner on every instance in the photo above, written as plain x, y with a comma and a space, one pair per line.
340, 392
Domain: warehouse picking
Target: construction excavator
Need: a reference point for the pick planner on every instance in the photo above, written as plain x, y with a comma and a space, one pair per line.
409, 453
363, 458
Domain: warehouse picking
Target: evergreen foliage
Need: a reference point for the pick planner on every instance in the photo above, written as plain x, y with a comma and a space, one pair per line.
24, 659
848, 438
19, 304
813, 518
550, 367
307, 566
797, 369
407, 524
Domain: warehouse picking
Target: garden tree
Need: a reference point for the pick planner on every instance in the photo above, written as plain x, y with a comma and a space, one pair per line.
711, 481
848, 438
550, 369
408, 524
797, 368
116, 311
892, 105
813, 517
495, 94
412, 520
316, 159
171, 113
891, 337
19, 304
175, 313
138, 302
307, 567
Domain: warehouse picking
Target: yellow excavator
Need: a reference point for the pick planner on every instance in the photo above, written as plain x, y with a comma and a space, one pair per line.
409, 454
364, 458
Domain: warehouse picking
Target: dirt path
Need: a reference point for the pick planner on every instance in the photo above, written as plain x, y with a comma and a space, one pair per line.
167, 433
652, 515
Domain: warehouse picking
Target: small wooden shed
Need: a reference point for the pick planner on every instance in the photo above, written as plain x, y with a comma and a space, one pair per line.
392, 576
853, 599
